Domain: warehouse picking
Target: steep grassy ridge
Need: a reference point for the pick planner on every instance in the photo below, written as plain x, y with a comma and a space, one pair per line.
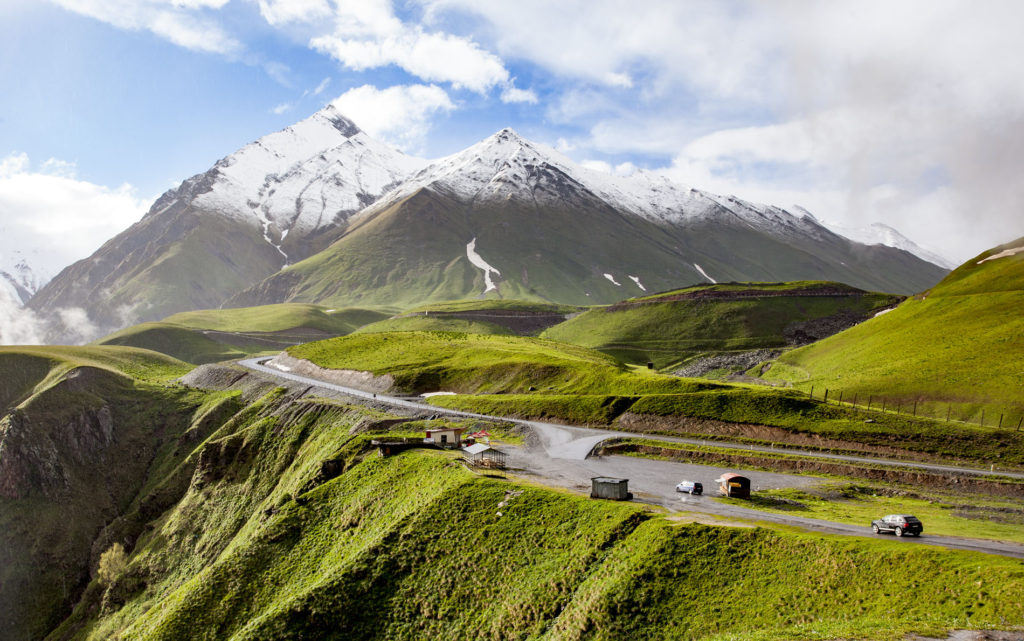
263, 545
669, 327
958, 345
22, 363
78, 437
429, 361
213, 335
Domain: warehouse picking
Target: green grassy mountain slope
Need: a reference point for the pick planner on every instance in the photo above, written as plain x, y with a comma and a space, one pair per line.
958, 345
669, 327
213, 335
181, 259
80, 430
262, 544
577, 250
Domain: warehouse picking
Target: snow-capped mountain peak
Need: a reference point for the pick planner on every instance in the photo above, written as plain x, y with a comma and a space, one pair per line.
305, 177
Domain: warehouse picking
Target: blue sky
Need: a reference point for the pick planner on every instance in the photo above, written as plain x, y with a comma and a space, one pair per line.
906, 113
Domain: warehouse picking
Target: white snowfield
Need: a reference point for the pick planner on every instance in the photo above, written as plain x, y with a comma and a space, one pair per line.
704, 273
636, 279
612, 278
1003, 254
303, 177
480, 263
882, 234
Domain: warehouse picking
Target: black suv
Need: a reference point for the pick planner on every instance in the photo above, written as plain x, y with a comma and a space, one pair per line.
899, 524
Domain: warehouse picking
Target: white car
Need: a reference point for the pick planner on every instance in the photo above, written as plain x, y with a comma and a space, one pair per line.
690, 487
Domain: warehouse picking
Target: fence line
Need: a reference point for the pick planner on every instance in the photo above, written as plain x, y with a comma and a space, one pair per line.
999, 419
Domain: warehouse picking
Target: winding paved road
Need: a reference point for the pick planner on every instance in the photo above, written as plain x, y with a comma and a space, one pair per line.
561, 460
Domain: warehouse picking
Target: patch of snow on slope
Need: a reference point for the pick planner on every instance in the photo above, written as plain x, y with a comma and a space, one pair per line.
704, 273
884, 311
612, 278
636, 279
270, 241
480, 263
1003, 254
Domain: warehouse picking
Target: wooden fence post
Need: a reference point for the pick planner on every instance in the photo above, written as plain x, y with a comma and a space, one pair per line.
855, 399
1000, 421
883, 405
840, 397
949, 407
869, 401
811, 393
825, 398
1019, 421
915, 407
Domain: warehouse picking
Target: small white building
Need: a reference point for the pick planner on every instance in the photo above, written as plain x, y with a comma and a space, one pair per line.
484, 455
445, 437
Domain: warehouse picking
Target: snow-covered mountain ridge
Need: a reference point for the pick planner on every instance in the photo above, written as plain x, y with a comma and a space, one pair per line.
506, 165
882, 234
322, 170
305, 177
20, 274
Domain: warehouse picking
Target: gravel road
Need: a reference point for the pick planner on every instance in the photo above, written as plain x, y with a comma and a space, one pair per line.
559, 456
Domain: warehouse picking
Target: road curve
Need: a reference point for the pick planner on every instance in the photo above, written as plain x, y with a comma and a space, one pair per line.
564, 463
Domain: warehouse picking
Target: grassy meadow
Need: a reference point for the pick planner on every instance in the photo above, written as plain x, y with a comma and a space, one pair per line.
955, 348
673, 326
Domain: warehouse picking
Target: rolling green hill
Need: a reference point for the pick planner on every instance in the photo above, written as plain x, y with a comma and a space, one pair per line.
213, 335
673, 326
524, 318
957, 347
470, 363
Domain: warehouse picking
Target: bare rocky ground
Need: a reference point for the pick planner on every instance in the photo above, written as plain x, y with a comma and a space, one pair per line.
733, 361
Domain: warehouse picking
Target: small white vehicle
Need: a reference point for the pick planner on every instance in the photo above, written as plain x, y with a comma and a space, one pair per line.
690, 487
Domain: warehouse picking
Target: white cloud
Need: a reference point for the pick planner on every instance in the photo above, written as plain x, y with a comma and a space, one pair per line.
399, 115
279, 72
182, 22
53, 210
511, 94
368, 35
18, 325
281, 108
320, 87
279, 12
